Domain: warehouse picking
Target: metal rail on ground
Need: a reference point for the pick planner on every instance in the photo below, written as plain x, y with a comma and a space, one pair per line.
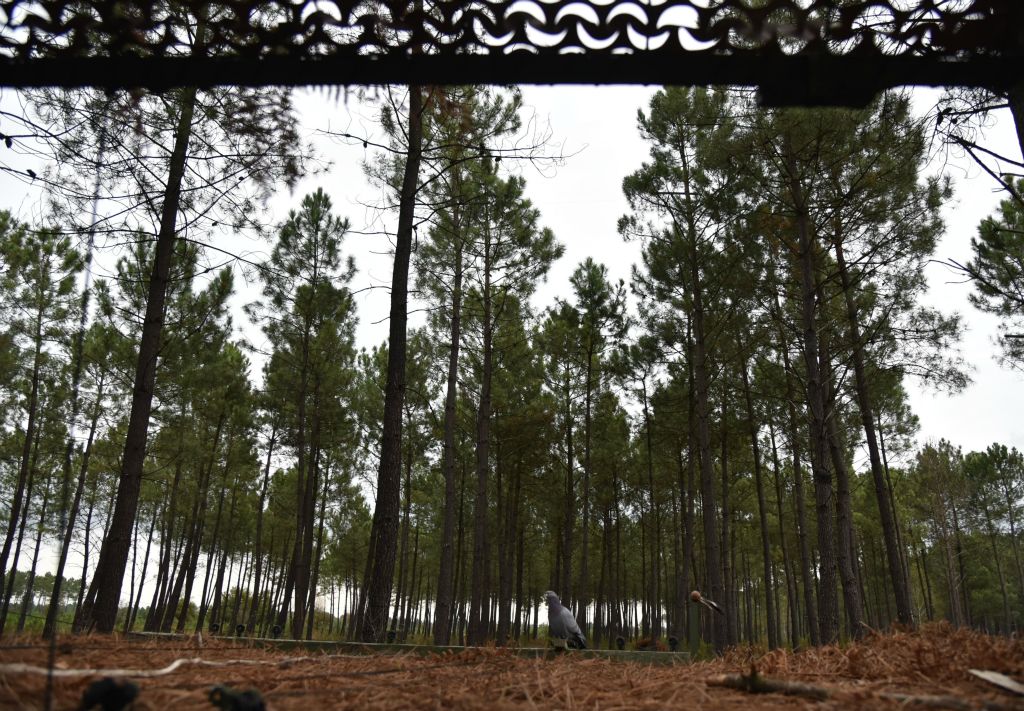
343, 647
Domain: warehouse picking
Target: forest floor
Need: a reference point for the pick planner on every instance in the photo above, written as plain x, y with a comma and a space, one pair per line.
922, 669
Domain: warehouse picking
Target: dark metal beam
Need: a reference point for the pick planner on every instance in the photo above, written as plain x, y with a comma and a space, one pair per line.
839, 52
799, 79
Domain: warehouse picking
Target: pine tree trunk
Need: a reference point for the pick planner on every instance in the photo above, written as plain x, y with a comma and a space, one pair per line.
100, 609
460, 561
602, 619
20, 499
521, 606
133, 609
897, 574
413, 599
614, 559
278, 587
236, 605
709, 509
135, 560
308, 512
190, 556
762, 511
75, 623
690, 570
5, 603
565, 588
854, 604
275, 589
315, 578
806, 577
169, 542
214, 542
730, 599
303, 475
654, 592
645, 584
956, 611
900, 545
26, 601
53, 611
384, 530
992, 536
961, 566
403, 546
1011, 517
446, 580
214, 559
479, 588
258, 543
216, 612
791, 591
828, 601
926, 585
682, 560
583, 587
506, 546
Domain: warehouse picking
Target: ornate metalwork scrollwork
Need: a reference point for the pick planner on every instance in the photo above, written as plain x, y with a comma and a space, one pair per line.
835, 51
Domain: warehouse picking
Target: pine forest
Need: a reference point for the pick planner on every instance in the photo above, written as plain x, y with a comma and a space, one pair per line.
194, 436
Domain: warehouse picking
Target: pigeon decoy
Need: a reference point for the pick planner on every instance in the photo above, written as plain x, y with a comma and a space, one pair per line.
562, 625
710, 604
109, 694
620, 643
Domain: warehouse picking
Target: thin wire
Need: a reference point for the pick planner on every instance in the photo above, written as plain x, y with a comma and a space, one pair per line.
20, 668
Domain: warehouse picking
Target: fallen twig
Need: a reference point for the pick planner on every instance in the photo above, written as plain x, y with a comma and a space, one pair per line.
754, 683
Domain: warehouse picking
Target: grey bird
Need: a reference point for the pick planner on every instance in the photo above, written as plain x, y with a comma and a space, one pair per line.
561, 624
710, 604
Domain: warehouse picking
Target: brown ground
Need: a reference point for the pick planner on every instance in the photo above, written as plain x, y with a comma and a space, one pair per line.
930, 666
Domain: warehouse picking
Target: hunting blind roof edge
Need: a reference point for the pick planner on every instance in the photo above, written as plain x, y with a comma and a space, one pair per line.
796, 52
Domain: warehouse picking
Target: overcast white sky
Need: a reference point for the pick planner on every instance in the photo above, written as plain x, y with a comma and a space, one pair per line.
581, 201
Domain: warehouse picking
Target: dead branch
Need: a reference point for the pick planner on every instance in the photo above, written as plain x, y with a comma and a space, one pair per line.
754, 683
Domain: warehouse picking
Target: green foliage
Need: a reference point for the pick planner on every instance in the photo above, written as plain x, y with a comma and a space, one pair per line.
997, 271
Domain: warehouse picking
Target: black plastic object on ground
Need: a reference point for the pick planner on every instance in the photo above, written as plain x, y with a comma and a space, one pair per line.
224, 697
109, 694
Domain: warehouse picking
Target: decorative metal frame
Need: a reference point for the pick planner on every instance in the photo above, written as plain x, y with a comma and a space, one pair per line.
795, 51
